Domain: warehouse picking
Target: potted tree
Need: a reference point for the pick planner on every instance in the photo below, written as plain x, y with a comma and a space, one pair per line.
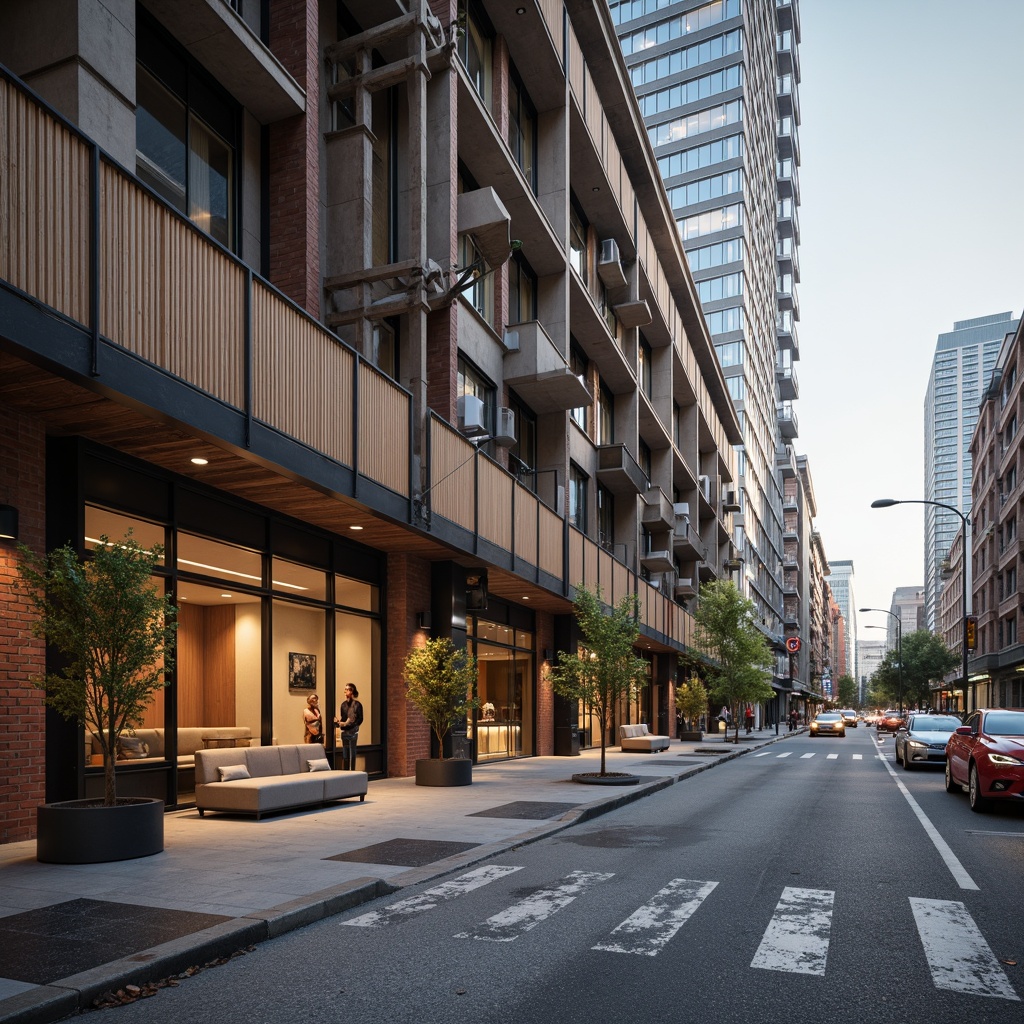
440, 680
603, 670
691, 703
112, 626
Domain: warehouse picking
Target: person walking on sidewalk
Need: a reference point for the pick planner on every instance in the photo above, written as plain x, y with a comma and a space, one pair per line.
793, 719
748, 719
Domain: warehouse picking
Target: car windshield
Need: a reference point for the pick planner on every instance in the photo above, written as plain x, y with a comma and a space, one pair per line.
829, 717
1005, 723
934, 723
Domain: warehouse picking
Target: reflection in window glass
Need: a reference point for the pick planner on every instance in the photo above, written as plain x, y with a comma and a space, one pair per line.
357, 661
298, 666
214, 558
299, 580
101, 523
354, 594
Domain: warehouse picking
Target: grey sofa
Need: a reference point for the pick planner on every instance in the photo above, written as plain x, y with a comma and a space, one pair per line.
190, 739
278, 779
636, 737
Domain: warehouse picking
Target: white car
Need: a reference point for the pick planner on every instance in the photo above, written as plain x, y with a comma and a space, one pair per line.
849, 717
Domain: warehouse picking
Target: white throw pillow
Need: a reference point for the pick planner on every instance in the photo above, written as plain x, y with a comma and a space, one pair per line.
232, 772
319, 765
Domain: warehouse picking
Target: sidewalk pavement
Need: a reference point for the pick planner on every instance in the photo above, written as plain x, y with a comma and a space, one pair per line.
70, 933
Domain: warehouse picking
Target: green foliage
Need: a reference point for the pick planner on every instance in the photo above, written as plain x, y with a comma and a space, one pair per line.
440, 679
925, 659
740, 656
846, 691
692, 699
605, 668
109, 619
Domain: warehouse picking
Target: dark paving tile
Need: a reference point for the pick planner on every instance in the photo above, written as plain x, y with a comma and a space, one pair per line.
45, 945
679, 762
410, 853
536, 810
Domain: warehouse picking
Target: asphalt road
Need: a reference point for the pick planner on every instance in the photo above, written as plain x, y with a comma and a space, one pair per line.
798, 883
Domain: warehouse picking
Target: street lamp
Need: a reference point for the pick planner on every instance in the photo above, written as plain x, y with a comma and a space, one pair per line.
899, 645
966, 574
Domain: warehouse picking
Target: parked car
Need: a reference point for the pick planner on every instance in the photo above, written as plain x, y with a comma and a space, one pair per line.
986, 754
849, 717
828, 723
889, 721
922, 739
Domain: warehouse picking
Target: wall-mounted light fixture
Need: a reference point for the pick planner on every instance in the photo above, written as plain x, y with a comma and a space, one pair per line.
8, 522
423, 620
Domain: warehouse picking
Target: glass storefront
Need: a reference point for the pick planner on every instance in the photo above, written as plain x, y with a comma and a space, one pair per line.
503, 726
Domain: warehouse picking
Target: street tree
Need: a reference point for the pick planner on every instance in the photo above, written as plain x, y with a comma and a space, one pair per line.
604, 668
740, 656
925, 658
691, 702
846, 689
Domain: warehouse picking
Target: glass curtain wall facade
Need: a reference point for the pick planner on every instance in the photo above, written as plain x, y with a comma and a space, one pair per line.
719, 104
961, 370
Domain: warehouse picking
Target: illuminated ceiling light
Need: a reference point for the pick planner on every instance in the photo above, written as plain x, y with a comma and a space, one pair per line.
225, 595
197, 461
355, 527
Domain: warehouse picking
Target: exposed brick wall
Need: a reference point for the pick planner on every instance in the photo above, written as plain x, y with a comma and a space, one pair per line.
442, 361
295, 160
408, 593
545, 640
22, 656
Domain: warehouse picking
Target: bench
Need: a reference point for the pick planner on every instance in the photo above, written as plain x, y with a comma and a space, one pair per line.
636, 737
147, 745
274, 779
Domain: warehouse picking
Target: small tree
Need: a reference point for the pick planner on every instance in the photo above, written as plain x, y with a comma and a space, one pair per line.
846, 690
440, 678
604, 668
925, 658
692, 700
741, 657
110, 621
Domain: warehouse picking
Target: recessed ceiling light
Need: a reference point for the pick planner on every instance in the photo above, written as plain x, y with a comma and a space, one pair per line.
525, 598
355, 527
596, 188
197, 461
520, 10
225, 595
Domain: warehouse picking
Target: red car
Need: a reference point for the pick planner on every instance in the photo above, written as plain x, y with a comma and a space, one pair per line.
986, 755
889, 721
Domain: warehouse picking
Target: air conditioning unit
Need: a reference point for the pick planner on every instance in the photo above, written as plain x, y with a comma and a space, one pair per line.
704, 482
730, 502
681, 510
608, 266
505, 432
511, 341
470, 412
609, 251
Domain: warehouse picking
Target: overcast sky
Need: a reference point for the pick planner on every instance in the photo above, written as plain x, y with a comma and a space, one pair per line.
912, 217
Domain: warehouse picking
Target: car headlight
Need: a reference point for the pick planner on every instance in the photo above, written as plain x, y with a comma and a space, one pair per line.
918, 744
1004, 759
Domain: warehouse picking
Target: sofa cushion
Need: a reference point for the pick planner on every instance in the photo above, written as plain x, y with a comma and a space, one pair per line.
318, 764
131, 748
232, 772
338, 785
264, 761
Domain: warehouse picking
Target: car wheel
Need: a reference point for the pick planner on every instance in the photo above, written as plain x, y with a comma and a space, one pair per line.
978, 802
951, 786
908, 765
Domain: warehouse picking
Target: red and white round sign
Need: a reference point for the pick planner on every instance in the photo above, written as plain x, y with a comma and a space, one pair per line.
793, 644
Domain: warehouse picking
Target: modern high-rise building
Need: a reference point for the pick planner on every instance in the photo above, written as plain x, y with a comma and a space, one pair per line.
841, 582
869, 656
717, 84
961, 368
908, 605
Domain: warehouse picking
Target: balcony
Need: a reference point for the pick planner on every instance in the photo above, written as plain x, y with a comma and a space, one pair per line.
539, 372
658, 514
787, 421
619, 471
785, 377
658, 561
685, 588
686, 540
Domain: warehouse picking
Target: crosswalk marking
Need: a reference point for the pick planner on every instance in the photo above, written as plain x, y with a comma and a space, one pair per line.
786, 754
858, 757
958, 956
802, 756
832, 757
538, 906
648, 930
430, 898
796, 939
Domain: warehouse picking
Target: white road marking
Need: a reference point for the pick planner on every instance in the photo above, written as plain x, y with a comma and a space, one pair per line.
764, 753
958, 956
786, 754
430, 898
802, 756
796, 939
858, 757
831, 757
538, 906
648, 930
958, 871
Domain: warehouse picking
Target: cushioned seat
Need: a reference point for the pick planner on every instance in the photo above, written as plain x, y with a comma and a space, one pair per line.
636, 737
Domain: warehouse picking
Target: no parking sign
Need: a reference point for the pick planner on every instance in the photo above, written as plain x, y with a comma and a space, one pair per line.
793, 644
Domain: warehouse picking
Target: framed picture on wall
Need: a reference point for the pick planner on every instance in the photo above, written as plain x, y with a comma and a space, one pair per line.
301, 671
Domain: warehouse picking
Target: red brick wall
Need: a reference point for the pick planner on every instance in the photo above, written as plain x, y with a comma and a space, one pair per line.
545, 641
408, 735
295, 160
22, 656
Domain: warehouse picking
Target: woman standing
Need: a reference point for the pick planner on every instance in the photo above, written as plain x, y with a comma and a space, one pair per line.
351, 717
312, 720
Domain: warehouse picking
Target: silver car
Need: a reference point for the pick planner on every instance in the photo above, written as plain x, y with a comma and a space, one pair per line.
922, 739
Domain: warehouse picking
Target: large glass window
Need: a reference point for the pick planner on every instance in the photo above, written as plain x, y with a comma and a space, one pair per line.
522, 129
479, 292
470, 381
605, 415
475, 48
578, 483
578, 242
579, 365
522, 290
505, 673
523, 454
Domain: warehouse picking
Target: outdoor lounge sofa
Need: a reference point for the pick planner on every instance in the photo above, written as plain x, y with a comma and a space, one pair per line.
258, 780
636, 737
147, 745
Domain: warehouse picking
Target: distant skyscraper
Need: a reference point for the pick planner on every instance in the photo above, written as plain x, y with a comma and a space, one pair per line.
961, 369
841, 582
908, 604
869, 656
717, 86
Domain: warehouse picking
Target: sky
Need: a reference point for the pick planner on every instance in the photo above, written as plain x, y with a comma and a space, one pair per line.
911, 218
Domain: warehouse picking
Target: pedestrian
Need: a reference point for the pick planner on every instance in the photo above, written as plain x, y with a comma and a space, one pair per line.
312, 720
350, 718
748, 718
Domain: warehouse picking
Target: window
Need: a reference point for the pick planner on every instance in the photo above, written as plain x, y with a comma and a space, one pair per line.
579, 366
523, 454
522, 129
605, 416
384, 346
644, 361
605, 517
578, 241
479, 292
185, 136
578, 482
522, 290
470, 381
644, 460
475, 48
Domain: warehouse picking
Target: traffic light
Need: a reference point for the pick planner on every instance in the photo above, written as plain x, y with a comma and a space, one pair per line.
972, 632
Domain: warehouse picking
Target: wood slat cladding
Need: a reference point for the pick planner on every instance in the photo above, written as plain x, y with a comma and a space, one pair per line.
44, 206
525, 527
167, 294
383, 431
495, 505
551, 541
303, 378
452, 475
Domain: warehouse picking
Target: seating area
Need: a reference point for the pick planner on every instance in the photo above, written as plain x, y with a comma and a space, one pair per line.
636, 737
143, 745
259, 780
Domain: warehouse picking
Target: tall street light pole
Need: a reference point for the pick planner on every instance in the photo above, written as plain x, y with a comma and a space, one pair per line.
965, 566
899, 646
